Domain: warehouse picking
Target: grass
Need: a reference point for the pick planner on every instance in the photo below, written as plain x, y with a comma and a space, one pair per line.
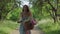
45, 25
7, 26
49, 27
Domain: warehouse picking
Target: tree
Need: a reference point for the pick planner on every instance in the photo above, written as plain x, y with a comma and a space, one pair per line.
51, 6
6, 6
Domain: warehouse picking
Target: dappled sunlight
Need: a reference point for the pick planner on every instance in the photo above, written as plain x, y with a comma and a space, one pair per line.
44, 16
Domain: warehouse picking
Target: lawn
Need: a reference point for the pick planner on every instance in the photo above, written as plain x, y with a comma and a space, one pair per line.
7, 26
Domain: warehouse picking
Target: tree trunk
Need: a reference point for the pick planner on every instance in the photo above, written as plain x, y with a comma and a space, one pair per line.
54, 12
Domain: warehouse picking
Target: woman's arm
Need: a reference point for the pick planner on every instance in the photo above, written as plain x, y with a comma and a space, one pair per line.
20, 18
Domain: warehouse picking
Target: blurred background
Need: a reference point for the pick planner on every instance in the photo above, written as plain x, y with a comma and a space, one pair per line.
46, 12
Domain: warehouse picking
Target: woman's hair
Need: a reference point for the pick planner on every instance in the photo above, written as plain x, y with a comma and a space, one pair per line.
27, 10
26, 7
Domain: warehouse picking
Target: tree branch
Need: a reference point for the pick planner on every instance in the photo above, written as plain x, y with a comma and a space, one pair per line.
51, 6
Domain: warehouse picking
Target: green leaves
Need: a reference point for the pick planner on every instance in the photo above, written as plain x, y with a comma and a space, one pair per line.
6, 6
14, 14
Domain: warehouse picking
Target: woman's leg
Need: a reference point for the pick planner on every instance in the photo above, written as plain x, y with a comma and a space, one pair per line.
28, 32
22, 30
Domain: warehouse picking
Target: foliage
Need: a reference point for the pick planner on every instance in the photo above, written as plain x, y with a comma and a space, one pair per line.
41, 9
14, 14
6, 6
7, 26
46, 7
50, 28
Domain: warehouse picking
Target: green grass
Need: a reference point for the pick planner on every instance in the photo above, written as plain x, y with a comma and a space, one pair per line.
50, 28
7, 26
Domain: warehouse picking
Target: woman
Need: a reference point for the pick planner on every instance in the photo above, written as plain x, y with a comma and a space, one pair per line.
25, 16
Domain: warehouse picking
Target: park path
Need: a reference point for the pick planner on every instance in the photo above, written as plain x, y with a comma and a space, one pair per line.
34, 31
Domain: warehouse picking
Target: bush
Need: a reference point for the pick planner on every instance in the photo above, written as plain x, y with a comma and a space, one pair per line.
14, 15
7, 26
50, 27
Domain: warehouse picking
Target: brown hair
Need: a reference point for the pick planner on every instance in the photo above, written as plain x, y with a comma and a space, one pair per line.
25, 6
28, 13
